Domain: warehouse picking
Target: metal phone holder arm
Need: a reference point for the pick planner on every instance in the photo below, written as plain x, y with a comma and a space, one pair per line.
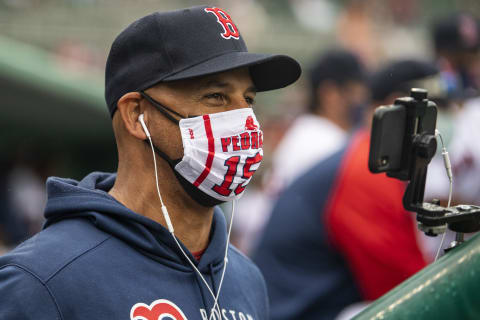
433, 218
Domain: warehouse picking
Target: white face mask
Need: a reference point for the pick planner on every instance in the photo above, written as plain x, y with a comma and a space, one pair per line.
222, 151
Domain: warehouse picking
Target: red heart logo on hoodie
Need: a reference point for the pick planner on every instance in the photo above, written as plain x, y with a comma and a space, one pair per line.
156, 310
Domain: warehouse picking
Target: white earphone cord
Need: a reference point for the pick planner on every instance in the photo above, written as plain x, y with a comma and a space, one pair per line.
171, 230
448, 168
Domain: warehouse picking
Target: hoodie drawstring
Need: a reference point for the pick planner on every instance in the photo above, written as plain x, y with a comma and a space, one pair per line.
200, 287
215, 287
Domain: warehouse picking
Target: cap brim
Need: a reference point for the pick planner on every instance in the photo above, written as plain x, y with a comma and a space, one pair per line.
268, 72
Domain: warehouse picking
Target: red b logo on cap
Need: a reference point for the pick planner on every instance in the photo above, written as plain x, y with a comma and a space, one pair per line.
230, 29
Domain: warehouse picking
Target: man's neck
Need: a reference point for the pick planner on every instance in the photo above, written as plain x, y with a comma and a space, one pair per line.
191, 221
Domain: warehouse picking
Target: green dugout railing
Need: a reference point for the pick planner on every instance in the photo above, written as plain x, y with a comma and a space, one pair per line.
447, 289
33, 66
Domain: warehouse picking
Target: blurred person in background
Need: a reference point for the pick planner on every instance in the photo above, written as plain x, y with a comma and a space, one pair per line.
356, 31
12, 229
457, 47
254, 206
8, 223
456, 41
382, 30
22, 194
339, 235
27, 191
337, 96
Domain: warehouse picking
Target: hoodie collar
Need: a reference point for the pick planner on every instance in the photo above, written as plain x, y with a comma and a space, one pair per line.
89, 199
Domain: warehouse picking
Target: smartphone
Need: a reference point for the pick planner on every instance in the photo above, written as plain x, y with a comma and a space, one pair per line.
394, 129
387, 139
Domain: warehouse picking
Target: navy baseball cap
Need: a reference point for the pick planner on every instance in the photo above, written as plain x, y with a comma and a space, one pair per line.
184, 44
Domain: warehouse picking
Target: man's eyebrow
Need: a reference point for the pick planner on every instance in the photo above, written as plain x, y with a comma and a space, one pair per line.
214, 83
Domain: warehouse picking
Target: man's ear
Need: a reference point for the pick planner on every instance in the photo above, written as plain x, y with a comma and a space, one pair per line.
130, 108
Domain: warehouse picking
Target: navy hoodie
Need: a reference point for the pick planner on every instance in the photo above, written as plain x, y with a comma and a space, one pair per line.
96, 259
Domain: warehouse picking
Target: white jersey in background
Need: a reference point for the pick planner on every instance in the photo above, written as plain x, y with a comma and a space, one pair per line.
309, 140
464, 151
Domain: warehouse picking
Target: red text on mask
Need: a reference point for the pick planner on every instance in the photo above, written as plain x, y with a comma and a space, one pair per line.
243, 141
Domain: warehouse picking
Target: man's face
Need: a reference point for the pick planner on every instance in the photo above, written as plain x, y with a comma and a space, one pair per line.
355, 94
206, 95
193, 97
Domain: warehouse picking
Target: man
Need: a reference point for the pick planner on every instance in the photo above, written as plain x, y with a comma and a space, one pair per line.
457, 47
146, 243
337, 94
339, 234
336, 99
456, 41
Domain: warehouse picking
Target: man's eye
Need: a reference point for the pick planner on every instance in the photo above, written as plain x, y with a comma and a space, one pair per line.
250, 101
216, 96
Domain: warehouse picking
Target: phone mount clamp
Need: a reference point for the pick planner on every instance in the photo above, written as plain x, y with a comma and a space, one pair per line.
419, 147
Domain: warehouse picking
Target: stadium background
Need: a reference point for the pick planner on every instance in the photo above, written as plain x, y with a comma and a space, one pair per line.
53, 119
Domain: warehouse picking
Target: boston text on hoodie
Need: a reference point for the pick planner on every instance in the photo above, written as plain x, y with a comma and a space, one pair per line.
96, 259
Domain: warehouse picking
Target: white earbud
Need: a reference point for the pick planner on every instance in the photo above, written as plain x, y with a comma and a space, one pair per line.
171, 230
144, 126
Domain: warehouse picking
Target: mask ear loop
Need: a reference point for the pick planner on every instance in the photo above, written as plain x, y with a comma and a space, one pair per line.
162, 108
171, 230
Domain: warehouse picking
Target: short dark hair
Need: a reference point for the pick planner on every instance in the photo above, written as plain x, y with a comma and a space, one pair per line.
336, 65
